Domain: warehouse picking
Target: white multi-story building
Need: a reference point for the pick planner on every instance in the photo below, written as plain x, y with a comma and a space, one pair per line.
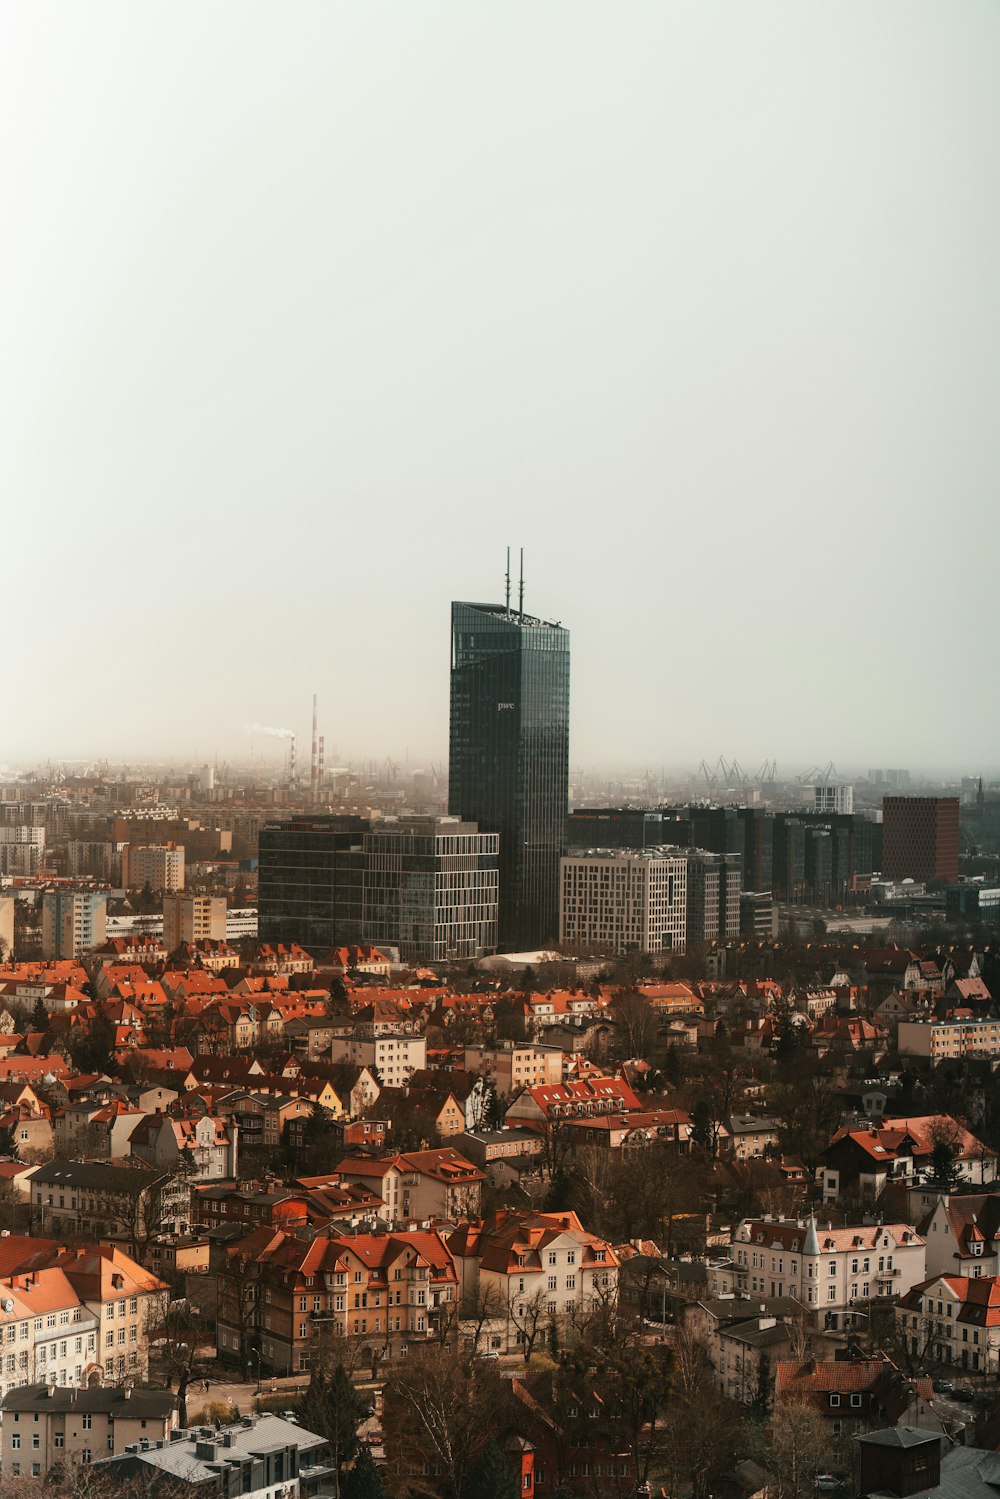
953, 1319
531, 1272
22, 848
158, 865
513, 1065
72, 922
834, 1272
827, 798
394, 1058
193, 918
624, 899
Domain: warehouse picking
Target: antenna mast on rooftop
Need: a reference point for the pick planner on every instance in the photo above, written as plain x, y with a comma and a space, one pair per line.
507, 582
520, 591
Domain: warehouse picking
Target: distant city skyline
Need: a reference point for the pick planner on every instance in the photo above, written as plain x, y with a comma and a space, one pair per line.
310, 311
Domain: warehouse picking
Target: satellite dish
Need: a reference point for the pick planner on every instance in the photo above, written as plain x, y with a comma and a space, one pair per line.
7, 1304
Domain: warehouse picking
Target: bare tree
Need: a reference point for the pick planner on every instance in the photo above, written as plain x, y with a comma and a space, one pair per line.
800, 1447
441, 1409
528, 1311
481, 1307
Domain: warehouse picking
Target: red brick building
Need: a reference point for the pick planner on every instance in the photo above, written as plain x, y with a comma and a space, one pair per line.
920, 837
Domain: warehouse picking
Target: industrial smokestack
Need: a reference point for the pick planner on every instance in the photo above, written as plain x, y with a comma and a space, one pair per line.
314, 759
322, 760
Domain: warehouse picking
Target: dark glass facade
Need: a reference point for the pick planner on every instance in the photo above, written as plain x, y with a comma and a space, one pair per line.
509, 756
310, 880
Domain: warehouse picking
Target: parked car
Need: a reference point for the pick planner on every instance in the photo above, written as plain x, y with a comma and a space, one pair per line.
375, 1438
826, 1483
943, 1387
964, 1395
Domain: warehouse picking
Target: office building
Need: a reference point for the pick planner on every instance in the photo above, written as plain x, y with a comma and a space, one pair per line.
920, 837
193, 918
789, 857
828, 798
615, 827
714, 883
430, 888
509, 755
158, 865
758, 915
310, 880
425, 885
619, 900
72, 922
758, 847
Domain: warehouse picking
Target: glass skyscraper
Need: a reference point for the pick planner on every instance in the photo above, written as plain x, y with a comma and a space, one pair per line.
509, 756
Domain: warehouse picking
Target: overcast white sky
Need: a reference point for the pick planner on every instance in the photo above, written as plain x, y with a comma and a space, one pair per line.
307, 310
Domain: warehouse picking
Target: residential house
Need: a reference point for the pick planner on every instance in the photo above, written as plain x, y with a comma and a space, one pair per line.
860, 1161
419, 1184
125, 1299
963, 1235
94, 1199
835, 1273
750, 1136
953, 1319
98, 1129
856, 1394
278, 1294
553, 1103
203, 1148
262, 1457
44, 1425
533, 1271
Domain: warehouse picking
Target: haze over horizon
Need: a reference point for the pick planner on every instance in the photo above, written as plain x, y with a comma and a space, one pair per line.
310, 311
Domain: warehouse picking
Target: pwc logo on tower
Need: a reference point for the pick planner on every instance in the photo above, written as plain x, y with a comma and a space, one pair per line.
504, 707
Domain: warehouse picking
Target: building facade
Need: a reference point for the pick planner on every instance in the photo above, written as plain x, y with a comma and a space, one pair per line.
430, 887
920, 837
714, 885
193, 918
72, 922
158, 865
622, 900
834, 1273
509, 755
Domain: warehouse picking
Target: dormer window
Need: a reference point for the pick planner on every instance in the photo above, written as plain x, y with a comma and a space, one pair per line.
834, 1399
977, 1248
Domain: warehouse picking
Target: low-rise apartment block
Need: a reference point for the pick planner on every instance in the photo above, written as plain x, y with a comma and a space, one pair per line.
940, 1040
44, 1425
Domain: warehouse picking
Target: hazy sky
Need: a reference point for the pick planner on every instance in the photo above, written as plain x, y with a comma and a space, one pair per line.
307, 310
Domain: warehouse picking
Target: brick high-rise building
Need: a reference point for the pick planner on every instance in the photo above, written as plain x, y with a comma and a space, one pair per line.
920, 837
